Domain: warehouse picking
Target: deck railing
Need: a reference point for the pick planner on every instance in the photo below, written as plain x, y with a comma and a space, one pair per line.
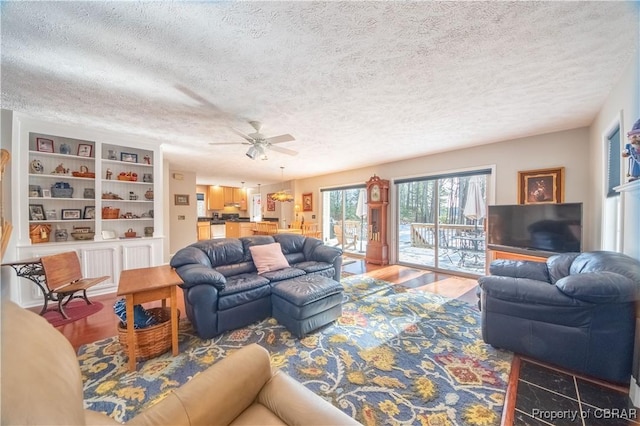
423, 235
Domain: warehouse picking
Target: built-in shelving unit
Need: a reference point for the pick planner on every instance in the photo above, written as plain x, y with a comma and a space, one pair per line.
47, 212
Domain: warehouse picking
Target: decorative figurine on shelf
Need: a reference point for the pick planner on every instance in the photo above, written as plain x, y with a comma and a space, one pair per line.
149, 194
61, 235
36, 167
632, 151
109, 174
66, 150
60, 170
147, 159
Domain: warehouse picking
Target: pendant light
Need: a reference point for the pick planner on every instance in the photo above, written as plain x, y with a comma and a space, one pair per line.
282, 195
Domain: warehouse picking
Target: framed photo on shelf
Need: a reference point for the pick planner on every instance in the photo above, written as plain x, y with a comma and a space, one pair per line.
44, 145
36, 212
51, 214
307, 202
271, 205
89, 212
85, 150
128, 157
46, 193
181, 200
541, 186
71, 214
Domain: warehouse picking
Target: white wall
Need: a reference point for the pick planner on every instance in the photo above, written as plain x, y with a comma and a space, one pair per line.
183, 220
566, 149
623, 104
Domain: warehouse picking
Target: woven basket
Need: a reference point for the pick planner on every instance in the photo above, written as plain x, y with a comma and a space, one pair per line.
39, 233
150, 341
84, 172
110, 213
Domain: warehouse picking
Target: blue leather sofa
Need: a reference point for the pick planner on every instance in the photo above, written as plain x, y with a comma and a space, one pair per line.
576, 311
223, 291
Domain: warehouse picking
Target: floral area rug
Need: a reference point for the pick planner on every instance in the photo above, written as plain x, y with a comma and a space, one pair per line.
394, 357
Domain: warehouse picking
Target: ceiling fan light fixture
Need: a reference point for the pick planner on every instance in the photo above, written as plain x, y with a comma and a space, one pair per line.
252, 152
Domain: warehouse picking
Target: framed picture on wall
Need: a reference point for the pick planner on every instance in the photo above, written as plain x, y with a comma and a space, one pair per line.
271, 205
541, 186
181, 199
307, 202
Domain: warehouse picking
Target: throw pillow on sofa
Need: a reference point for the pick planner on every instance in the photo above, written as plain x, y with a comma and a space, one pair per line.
268, 257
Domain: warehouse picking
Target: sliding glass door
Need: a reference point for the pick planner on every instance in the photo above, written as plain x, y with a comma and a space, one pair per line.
441, 221
345, 218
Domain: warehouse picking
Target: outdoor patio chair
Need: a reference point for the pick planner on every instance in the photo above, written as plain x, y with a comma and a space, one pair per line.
64, 280
350, 237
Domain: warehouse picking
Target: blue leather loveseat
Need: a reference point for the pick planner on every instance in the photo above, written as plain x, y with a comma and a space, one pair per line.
223, 290
576, 311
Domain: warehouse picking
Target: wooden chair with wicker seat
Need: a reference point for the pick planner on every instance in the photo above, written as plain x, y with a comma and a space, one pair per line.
64, 280
311, 230
265, 228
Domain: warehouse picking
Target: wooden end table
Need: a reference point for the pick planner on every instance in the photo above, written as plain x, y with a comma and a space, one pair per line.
146, 285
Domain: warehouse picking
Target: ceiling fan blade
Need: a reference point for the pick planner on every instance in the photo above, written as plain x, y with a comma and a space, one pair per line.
230, 143
283, 150
280, 139
238, 132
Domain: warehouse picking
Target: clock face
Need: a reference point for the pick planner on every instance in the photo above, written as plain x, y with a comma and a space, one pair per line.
375, 193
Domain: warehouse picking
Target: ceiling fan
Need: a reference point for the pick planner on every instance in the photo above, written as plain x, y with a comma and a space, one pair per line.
260, 143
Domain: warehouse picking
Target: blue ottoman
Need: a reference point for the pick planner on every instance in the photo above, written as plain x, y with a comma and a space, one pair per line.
306, 303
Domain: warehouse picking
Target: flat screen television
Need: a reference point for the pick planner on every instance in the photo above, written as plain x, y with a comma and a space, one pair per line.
555, 228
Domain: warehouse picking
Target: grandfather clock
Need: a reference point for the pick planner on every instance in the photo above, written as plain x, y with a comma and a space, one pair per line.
378, 203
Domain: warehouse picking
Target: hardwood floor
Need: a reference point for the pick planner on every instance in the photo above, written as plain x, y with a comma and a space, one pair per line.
104, 323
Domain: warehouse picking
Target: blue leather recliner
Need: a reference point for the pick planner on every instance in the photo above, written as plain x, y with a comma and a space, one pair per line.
576, 311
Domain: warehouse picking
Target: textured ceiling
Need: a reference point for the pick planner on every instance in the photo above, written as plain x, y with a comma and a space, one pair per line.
356, 83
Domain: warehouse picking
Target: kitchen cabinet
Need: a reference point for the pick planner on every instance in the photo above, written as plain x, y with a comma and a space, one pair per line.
215, 201
239, 229
235, 196
220, 196
204, 231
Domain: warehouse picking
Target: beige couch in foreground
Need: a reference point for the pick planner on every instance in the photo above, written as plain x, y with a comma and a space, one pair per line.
42, 385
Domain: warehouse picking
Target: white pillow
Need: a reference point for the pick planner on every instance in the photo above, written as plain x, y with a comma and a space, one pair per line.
268, 257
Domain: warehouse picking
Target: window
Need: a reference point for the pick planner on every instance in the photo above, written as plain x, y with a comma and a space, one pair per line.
440, 221
345, 218
613, 162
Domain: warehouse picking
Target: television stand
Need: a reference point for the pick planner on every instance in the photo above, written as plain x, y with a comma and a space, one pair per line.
519, 255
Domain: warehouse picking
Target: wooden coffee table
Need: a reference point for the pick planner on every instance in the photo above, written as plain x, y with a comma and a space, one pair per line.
146, 285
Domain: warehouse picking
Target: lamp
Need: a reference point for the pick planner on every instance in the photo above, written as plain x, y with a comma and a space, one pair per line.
256, 150
252, 152
282, 195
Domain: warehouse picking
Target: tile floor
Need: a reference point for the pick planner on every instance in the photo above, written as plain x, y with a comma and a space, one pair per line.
544, 393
